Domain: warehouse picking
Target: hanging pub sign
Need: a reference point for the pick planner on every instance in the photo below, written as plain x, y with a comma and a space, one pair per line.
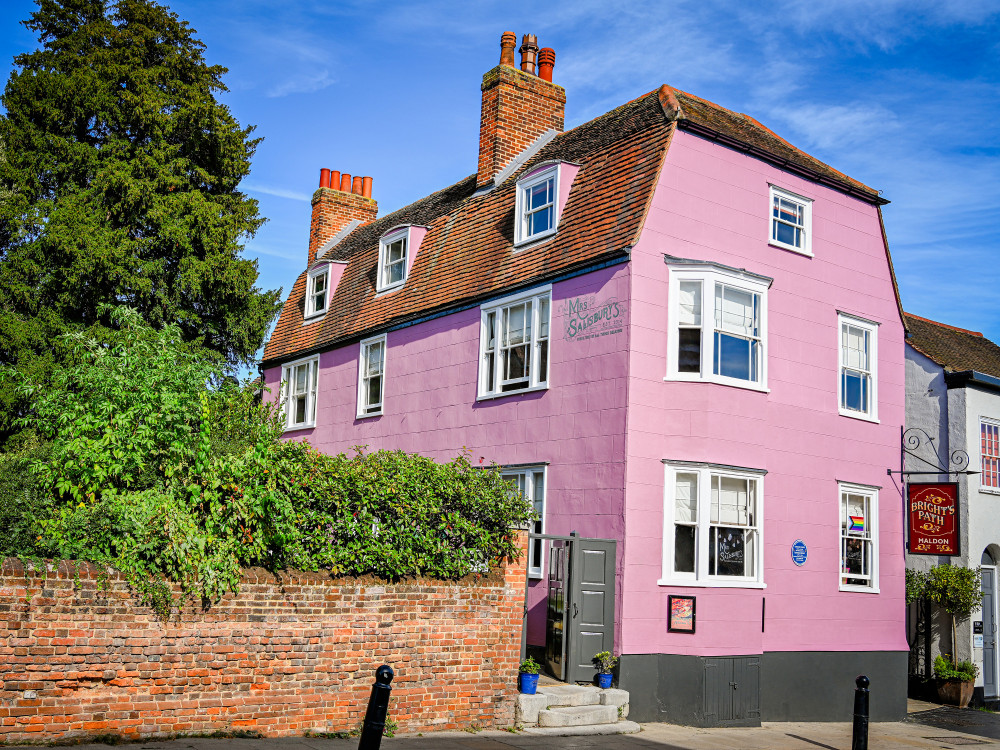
933, 518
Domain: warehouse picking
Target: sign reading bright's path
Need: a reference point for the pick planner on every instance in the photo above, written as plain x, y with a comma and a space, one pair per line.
933, 519
587, 317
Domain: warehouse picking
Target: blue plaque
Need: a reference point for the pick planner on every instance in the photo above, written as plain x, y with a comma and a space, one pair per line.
799, 552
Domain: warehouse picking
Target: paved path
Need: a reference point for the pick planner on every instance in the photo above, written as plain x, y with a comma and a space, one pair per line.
924, 730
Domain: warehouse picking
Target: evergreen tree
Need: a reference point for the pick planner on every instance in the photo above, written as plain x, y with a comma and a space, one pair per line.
119, 174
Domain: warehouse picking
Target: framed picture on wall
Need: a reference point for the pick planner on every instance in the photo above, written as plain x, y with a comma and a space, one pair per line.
681, 614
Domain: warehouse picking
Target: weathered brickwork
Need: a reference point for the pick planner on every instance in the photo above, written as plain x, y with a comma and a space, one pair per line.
517, 108
79, 656
332, 210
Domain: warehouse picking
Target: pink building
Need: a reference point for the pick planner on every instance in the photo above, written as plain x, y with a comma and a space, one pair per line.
675, 331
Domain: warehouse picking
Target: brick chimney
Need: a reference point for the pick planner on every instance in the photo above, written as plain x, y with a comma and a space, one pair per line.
518, 105
337, 202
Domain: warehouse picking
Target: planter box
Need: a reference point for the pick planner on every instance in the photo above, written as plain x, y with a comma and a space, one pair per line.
955, 692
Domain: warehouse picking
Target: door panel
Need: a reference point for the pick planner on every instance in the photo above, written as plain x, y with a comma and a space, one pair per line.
555, 616
989, 632
591, 613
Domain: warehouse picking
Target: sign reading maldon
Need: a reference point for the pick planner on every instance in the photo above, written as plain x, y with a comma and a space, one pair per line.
933, 519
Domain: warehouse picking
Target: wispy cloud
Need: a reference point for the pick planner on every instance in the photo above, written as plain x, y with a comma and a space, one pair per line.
302, 84
278, 192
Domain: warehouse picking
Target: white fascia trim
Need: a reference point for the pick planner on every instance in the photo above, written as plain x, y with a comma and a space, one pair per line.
691, 266
807, 228
526, 294
338, 238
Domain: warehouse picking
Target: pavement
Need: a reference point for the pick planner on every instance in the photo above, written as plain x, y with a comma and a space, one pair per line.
927, 726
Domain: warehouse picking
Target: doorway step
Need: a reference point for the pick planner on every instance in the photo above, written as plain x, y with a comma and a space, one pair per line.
574, 709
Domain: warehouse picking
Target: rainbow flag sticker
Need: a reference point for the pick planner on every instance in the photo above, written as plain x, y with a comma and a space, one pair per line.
857, 523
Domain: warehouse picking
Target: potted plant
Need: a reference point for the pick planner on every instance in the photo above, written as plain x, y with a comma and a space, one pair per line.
955, 681
605, 662
527, 678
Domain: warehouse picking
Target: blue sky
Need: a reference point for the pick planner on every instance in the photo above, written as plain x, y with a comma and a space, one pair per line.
903, 95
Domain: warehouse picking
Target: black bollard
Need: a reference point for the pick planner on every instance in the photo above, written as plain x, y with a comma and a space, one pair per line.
859, 741
378, 705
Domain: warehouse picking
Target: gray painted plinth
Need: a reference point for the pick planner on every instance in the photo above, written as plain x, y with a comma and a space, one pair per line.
621, 727
794, 686
577, 716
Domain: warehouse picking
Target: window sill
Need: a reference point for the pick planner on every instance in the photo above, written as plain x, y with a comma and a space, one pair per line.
713, 584
858, 415
504, 394
368, 415
790, 248
528, 241
298, 427
859, 589
307, 319
387, 289
535, 576
719, 381
988, 490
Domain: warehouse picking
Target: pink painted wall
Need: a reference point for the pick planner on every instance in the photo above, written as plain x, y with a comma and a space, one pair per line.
712, 203
430, 407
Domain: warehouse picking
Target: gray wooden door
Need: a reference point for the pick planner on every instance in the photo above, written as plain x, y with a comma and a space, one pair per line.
732, 691
591, 611
989, 632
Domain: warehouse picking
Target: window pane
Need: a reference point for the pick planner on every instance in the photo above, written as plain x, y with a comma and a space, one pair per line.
854, 390
735, 357
491, 333
396, 251
689, 304
686, 498
300, 410
393, 274
543, 362
539, 492
516, 363
543, 318
732, 500
301, 378
517, 325
319, 283
727, 551
374, 393
684, 549
689, 350
540, 221
735, 310
540, 195
374, 366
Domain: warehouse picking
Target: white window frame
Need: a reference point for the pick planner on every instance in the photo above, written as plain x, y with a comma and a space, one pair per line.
524, 185
384, 242
870, 492
703, 525
989, 422
711, 275
536, 548
314, 276
541, 321
366, 409
871, 328
289, 392
777, 193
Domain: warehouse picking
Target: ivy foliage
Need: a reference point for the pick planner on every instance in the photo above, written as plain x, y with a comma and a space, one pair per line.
143, 465
119, 184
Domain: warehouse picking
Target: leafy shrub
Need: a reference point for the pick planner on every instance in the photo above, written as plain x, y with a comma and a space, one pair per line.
23, 501
151, 469
946, 669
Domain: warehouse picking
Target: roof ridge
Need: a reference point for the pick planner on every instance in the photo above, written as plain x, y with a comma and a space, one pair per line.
945, 325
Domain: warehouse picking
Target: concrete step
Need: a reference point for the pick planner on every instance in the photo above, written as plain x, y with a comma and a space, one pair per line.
577, 716
570, 695
619, 727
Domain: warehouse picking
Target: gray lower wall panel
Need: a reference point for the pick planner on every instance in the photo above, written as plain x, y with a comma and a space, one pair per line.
794, 686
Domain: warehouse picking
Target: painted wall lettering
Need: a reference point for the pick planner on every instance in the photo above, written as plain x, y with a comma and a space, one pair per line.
586, 317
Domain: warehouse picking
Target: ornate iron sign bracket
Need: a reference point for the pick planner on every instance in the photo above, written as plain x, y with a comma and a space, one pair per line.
915, 439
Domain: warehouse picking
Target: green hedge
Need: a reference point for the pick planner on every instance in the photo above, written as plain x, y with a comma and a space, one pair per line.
143, 466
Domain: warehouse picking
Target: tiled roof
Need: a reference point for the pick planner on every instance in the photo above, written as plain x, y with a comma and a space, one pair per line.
467, 254
955, 349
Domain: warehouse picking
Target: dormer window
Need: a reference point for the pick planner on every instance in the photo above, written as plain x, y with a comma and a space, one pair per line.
392, 259
537, 207
318, 291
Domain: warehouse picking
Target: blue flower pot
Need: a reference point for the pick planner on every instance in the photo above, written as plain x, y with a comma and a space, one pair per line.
527, 683
603, 681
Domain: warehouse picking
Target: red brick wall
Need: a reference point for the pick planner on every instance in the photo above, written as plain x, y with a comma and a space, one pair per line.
332, 210
517, 108
283, 657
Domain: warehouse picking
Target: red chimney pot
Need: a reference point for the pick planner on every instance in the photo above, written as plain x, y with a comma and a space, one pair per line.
324, 177
529, 51
345, 183
508, 40
334, 179
356, 187
546, 61
366, 187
